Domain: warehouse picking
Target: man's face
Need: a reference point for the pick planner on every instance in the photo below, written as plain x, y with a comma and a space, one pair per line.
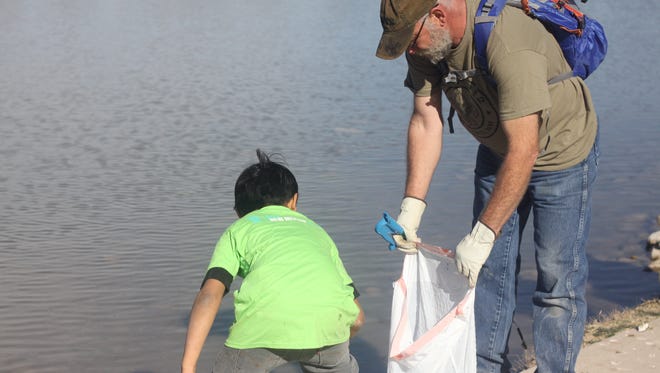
432, 41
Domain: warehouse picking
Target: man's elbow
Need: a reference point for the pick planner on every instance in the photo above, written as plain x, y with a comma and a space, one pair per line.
525, 156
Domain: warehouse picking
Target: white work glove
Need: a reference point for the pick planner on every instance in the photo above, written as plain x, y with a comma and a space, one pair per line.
473, 250
409, 219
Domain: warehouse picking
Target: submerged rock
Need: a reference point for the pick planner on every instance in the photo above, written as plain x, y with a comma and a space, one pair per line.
653, 246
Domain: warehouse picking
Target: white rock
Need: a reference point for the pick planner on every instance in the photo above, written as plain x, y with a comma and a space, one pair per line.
654, 265
653, 241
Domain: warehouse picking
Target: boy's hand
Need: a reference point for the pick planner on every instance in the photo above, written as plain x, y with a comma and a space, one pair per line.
359, 321
409, 219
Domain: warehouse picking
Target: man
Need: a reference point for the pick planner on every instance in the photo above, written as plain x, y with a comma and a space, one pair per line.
538, 152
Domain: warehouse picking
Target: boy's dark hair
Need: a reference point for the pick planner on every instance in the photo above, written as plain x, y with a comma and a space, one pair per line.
263, 184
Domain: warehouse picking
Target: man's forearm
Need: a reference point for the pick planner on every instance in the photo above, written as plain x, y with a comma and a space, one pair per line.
515, 172
424, 147
510, 186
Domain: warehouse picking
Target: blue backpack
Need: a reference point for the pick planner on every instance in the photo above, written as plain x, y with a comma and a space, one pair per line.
582, 39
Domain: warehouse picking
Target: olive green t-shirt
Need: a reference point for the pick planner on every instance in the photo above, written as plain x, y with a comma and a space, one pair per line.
522, 58
295, 292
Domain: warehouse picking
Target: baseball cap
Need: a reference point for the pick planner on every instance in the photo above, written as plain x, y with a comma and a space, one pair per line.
398, 18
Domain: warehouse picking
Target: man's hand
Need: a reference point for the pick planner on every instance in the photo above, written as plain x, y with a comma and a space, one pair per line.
473, 250
409, 219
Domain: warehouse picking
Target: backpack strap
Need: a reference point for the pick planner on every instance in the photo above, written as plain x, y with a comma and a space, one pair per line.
484, 21
561, 77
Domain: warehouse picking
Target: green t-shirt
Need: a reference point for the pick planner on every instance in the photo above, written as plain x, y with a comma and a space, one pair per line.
522, 58
295, 293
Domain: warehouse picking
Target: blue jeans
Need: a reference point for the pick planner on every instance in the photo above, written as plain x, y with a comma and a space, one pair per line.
330, 359
561, 202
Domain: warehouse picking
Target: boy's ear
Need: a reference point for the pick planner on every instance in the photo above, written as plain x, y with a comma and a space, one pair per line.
293, 202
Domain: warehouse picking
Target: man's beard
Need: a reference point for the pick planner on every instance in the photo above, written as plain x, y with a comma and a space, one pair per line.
440, 44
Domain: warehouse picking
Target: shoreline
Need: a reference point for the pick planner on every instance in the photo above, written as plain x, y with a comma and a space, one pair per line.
626, 340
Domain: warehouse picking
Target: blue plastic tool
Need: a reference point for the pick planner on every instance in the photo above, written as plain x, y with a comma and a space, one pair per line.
387, 227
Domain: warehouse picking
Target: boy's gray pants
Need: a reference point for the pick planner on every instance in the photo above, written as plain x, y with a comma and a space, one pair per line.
329, 359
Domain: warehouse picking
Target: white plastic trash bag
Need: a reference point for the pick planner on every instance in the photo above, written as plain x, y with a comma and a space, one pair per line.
432, 324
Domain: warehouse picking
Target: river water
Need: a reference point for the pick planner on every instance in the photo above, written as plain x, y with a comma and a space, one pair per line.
124, 124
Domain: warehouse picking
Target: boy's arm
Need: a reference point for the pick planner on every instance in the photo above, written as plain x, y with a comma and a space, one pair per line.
202, 315
359, 321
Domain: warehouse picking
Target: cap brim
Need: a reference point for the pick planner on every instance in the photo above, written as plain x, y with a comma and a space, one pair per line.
393, 44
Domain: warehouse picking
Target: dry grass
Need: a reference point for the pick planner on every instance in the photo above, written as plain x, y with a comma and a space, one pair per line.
605, 326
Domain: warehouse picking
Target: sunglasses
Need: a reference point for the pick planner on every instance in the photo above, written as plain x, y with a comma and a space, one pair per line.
414, 41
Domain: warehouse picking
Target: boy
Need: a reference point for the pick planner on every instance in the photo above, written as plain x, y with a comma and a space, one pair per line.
296, 302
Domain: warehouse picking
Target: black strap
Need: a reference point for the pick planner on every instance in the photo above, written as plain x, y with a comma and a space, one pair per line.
450, 119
